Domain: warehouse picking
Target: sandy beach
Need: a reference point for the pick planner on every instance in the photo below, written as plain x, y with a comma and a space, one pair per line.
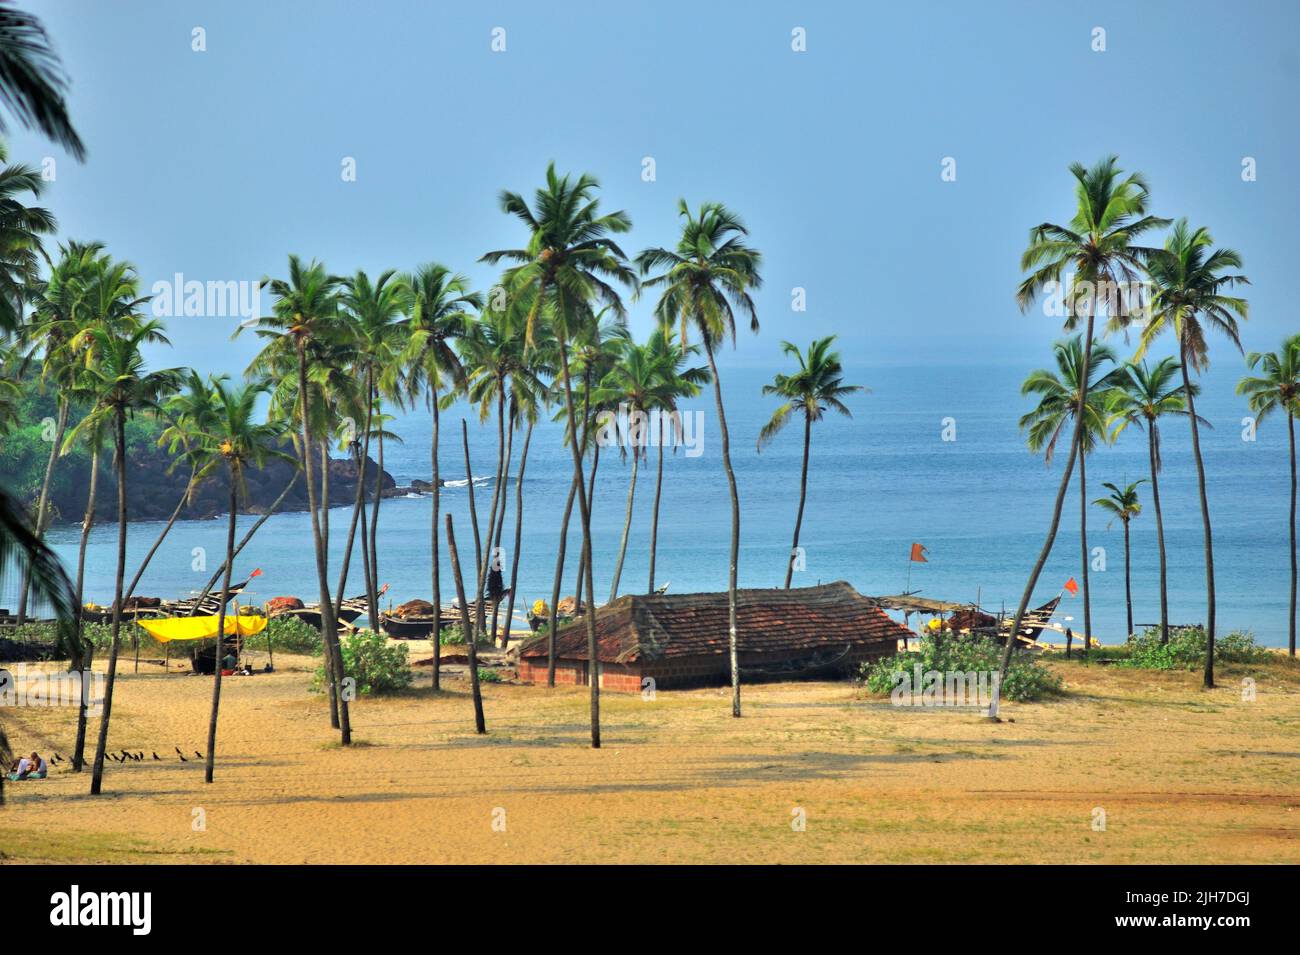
1182, 775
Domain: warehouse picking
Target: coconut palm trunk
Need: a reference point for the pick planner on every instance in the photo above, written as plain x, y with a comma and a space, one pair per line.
501, 516
329, 629
374, 520
42, 502
584, 514
583, 569
803, 497
1205, 521
84, 650
1083, 550
519, 536
627, 526
358, 512
1152, 439
473, 511
101, 746
654, 517
471, 651
1075, 442
221, 633
732, 636
1128, 579
1290, 424
553, 611
436, 490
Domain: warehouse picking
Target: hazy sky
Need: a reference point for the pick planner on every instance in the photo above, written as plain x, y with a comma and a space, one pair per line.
216, 164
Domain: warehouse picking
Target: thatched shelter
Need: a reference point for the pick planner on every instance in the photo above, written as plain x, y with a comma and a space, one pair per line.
682, 639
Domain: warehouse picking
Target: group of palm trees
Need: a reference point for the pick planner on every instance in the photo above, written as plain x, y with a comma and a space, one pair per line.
1184, 288
340, 352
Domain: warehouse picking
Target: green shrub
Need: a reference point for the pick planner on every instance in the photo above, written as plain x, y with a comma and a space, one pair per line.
1027, 679
288, 635
377, 665
1186, 649
486, 675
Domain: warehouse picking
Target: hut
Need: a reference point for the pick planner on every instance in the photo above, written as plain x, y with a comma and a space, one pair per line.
681, 640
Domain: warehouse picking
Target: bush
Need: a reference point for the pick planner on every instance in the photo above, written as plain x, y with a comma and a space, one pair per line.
488, 676
1186, 649
1027, 679
288, 635
377, 665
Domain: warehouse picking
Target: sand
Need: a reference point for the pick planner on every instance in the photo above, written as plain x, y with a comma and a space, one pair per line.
1182, 775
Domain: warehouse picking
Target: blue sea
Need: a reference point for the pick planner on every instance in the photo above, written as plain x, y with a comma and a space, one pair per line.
980, 505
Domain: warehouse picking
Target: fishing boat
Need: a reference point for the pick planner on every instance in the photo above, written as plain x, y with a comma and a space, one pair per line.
208, 604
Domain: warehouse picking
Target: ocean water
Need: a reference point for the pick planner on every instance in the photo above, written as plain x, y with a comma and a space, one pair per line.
980, 504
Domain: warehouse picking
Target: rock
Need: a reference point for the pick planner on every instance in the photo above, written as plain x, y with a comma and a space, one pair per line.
421, 487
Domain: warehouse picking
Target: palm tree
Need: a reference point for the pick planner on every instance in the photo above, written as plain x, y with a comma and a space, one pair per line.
123, 387
1189, 282
1058, 404
306, 311
632, 387
370, 313
32, 81
677, 382
558, 276
1142, 396
1096, 252
705, 280
1123, 504
435, 302
1277, 388
816, 386
236, 442
57, 317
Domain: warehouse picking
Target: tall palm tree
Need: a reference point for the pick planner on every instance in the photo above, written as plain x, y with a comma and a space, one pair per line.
305, 311
633, 387
1142, 396
1277, 388
435, 303
57, 316
1096, 251
677, 382
1057, 407
370, 310
816, 386
32, 81
234, 442
1189, 283
1123, 505
559, 276
705, 280
123, 387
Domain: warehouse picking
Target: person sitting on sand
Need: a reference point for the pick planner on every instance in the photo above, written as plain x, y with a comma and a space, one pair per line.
29, 767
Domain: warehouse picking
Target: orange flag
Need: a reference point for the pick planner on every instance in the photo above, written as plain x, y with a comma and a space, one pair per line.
1072, 586
918, 554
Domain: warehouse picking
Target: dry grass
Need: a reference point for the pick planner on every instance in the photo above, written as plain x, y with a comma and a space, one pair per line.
1183, 776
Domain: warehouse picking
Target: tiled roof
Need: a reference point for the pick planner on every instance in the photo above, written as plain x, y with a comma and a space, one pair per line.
769, 622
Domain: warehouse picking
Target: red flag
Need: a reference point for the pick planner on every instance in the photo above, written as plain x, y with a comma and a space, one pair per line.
918, 554
1072, 586
257, 572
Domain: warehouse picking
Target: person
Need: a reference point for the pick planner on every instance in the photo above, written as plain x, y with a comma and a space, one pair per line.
29, 767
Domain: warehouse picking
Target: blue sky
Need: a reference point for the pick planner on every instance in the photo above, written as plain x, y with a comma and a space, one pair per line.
217, 164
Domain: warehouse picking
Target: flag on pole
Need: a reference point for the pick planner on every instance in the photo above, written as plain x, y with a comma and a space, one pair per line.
1072, 586
918, 554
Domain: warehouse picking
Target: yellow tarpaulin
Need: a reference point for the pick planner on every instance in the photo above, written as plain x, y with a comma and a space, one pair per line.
167, 629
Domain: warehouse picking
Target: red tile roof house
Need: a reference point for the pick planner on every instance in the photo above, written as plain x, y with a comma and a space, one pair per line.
680, 640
